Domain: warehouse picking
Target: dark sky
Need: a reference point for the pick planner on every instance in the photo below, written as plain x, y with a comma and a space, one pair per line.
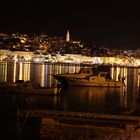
112, 23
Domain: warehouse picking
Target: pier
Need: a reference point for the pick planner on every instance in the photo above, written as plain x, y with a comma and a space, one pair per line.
125, 122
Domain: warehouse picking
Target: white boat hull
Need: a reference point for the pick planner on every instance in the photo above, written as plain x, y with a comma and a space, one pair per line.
81, 82
84, 82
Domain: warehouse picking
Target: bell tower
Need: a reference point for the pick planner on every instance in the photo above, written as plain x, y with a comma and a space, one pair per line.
68, 36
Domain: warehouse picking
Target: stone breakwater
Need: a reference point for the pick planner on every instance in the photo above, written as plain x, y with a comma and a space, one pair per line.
79, 132
62, 125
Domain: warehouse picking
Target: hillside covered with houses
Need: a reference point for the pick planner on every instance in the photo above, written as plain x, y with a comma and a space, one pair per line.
44, 48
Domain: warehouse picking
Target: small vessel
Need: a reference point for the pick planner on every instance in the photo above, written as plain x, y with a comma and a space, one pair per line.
26, 87
96, 77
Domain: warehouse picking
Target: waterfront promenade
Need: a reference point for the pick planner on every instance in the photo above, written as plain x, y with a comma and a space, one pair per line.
23, 56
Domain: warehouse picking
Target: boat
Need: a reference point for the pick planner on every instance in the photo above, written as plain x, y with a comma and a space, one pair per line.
26, 87
96, 77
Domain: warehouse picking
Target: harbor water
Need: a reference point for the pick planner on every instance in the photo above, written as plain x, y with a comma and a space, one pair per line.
75, 99
81, 99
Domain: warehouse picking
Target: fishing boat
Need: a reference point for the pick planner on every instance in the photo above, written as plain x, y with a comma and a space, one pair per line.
96, 77
26, 87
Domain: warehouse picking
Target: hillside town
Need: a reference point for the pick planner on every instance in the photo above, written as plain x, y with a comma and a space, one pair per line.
62, 49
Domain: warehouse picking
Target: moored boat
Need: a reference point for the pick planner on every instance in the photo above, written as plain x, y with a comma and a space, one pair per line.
97, 77
25, 87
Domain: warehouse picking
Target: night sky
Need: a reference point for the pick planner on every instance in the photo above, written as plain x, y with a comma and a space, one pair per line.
113, 24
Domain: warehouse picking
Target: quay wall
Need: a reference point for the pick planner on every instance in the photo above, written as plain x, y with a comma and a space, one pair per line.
118, 60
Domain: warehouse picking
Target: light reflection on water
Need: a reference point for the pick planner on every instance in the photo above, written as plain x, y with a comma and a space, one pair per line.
91, 99
86, 99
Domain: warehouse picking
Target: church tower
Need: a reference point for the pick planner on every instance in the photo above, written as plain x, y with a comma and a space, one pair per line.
68, 36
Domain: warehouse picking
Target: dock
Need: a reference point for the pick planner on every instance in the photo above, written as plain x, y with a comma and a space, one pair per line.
120, 121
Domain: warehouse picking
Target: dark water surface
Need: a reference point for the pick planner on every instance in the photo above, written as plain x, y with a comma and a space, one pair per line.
77, 99
85, 99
